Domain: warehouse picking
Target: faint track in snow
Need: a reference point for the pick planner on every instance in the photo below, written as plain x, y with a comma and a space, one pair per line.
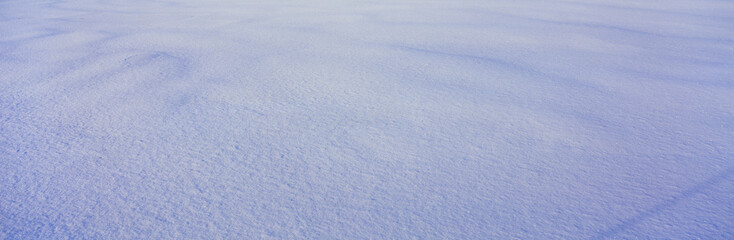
666, 204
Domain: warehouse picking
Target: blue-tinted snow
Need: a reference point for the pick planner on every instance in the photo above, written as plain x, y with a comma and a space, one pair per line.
186, 119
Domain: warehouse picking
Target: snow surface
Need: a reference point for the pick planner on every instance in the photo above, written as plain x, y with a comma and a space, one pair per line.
366, 119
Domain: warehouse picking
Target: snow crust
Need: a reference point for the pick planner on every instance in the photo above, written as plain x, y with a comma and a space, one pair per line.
399, 119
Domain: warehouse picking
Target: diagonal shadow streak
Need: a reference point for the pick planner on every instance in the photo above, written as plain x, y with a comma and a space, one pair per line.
688, 193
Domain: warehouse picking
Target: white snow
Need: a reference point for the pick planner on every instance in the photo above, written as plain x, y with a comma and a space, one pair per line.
366, 119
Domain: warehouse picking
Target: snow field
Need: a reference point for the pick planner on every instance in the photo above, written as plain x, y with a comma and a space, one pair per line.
366, 119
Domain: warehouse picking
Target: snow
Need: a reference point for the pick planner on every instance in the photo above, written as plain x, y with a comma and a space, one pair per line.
380, 119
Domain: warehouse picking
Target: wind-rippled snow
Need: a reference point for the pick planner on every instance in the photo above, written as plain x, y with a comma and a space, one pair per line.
496, 119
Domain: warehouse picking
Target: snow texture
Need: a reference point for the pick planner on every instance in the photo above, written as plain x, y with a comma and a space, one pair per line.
366, 119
